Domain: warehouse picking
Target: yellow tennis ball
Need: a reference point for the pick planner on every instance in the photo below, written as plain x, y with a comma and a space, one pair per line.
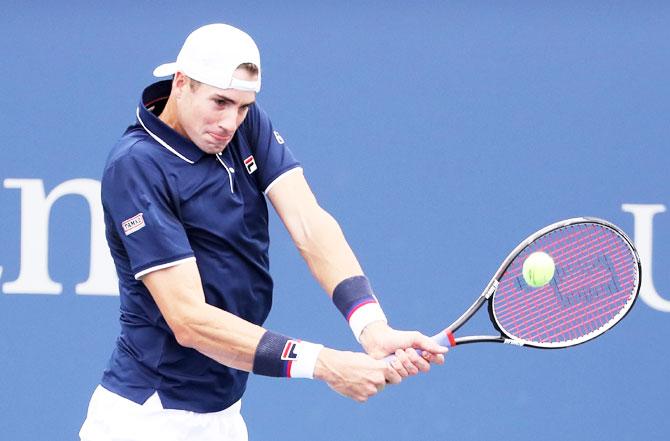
538, 269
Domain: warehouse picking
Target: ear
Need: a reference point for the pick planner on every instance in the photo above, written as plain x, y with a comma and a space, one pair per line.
179, 82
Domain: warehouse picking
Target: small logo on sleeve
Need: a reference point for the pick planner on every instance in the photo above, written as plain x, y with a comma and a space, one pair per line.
250, 164
133, 224
289, 350
278, 137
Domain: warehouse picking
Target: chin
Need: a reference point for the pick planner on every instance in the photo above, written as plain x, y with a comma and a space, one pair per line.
212, 149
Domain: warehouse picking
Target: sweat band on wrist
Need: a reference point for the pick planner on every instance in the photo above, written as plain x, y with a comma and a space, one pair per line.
281, 356
358, 304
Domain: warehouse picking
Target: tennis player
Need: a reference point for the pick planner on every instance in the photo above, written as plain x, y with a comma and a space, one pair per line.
184, 195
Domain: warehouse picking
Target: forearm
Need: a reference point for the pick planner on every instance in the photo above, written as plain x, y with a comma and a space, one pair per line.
334, 265
322, 244
221, 336
236, 343
214, 332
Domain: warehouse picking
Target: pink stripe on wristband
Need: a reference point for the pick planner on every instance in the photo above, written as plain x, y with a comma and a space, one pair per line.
358, 304
366, 302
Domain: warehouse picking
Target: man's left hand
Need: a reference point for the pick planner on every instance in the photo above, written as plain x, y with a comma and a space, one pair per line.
379, 340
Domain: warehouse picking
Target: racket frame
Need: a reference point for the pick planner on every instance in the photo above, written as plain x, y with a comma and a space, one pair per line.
446, 337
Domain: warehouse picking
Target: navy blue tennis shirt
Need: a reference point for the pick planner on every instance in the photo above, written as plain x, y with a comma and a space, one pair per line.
165, 202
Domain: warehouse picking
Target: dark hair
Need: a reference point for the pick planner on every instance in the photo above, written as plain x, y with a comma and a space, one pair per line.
249, 67
193, 84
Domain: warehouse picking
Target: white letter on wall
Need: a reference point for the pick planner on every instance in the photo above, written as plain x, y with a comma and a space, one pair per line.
35, 208
644, 216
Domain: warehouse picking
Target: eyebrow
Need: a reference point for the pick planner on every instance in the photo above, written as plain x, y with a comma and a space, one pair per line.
231, 101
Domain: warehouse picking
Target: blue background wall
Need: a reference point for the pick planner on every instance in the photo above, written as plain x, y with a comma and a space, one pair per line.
438, 133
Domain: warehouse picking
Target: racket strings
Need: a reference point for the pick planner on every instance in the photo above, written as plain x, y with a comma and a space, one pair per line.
575, 292
571, 283
595, 279
507, 307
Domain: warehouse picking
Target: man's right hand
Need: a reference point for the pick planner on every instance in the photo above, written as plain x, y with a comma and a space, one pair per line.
353, 374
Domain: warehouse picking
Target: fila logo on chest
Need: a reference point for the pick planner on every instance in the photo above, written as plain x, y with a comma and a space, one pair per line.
250, 164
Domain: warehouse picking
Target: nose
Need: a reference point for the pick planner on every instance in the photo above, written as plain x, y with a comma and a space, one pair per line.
228, 121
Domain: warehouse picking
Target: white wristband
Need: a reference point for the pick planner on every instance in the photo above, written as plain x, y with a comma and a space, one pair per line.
363, 316
306, 355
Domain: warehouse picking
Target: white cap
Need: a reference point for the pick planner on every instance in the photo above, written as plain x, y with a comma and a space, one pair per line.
212, 53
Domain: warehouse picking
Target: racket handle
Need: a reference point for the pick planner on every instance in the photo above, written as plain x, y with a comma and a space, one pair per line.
444, 338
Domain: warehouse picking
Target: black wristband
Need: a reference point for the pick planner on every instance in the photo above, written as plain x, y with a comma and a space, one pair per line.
280, 356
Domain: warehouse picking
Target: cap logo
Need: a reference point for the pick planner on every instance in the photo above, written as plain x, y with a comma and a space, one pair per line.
133, 224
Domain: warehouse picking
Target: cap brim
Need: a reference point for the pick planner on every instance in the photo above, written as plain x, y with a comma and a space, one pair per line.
165, 70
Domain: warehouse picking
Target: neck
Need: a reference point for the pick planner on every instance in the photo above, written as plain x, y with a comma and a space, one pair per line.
169, 117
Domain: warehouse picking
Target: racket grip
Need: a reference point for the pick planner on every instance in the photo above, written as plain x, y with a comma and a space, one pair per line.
444, 338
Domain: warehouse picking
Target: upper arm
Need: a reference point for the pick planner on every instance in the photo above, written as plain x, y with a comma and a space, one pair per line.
294, 202
178, 293
316, 233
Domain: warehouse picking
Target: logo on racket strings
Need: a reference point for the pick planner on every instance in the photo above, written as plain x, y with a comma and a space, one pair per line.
583, 282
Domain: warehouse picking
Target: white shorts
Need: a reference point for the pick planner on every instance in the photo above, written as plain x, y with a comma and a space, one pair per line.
114, 418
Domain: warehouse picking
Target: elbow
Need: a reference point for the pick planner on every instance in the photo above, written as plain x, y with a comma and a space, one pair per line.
184, 333
184, 338
320, 222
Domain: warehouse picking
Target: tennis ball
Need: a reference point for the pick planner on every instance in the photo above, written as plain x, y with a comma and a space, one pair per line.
538, 269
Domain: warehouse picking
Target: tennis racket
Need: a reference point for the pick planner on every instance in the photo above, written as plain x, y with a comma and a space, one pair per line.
595, 284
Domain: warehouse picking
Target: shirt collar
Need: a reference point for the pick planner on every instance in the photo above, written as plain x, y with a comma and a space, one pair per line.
153, 100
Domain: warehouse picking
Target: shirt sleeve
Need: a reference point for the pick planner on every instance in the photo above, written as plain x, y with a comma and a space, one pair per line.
137, 203
271, 156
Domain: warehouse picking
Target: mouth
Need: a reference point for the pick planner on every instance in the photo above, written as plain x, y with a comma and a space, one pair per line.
219, 137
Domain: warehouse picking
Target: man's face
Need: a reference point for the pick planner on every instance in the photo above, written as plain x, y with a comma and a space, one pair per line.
209, 116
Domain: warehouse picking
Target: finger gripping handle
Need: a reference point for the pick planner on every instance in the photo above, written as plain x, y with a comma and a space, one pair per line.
444, 338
